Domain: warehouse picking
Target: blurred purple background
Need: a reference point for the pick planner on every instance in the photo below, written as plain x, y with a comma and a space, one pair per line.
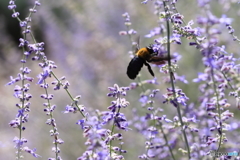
82, 37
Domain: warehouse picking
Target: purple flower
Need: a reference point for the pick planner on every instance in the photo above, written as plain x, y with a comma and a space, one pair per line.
69, 108
81, 123
107, 117
156, 31
177, 38
46, 73
181, 98
31, 151
20, 112
143, 100
19, 142
201, 77
121, 121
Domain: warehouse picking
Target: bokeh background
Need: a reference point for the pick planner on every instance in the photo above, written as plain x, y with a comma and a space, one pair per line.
82, 38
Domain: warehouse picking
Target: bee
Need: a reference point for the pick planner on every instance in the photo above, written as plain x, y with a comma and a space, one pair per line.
144, 56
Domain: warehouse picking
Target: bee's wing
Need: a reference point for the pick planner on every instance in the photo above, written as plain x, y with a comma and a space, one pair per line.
134, 67
158, 60
138, 42
135, 45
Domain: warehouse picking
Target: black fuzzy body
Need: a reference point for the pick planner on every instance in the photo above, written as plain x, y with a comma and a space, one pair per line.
136, 65
143, 56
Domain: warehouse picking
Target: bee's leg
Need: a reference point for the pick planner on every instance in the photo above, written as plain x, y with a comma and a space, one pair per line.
149, 68
157, 59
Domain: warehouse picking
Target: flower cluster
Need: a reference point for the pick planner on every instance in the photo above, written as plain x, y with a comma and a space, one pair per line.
22, 91
35, 51
99, 139
201, 118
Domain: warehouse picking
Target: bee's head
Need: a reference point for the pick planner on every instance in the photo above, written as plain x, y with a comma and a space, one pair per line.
152, 50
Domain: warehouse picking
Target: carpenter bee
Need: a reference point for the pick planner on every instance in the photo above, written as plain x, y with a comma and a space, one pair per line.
142, 57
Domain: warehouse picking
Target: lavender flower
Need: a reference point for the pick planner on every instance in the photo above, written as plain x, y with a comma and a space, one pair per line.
99, 139
206, 103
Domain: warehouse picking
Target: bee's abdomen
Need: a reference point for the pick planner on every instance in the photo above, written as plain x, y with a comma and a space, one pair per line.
134, 67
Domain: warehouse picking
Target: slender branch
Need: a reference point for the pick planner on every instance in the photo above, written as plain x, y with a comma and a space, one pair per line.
172, 80
166, 140
68, 94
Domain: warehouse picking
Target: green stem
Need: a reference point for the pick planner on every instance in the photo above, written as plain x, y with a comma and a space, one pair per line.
227, 81
69, 94
53, 128
166, 140
113, 126
172, 80
23, 81
218, 107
